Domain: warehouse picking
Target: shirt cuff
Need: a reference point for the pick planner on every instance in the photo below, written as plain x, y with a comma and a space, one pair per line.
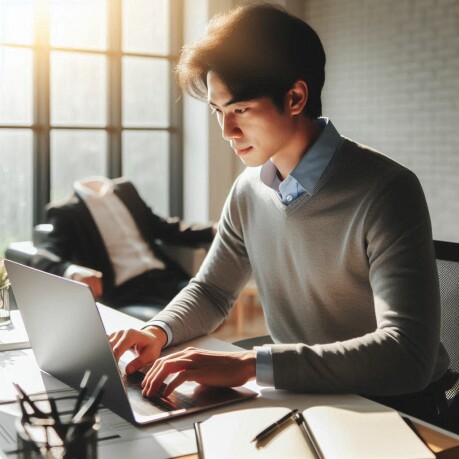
264, 366
77, 272
163, 326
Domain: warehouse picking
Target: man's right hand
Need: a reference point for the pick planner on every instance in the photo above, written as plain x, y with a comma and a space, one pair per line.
147, 343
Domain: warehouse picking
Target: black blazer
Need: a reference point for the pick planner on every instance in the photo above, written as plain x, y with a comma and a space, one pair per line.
75, 238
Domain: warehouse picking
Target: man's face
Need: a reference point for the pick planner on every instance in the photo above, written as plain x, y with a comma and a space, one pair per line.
256, 130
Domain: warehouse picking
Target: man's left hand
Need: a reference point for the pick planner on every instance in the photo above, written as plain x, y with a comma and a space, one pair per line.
210, 368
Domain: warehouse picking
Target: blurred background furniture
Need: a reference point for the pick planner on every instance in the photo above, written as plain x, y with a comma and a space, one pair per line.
245, 305
188, 257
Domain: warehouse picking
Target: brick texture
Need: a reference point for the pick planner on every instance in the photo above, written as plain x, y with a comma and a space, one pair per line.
393, 83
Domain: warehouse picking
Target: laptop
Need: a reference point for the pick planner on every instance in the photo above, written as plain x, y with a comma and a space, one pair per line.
68, 337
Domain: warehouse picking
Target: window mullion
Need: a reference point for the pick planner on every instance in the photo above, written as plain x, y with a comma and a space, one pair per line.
175, 114
41, 153
114, 165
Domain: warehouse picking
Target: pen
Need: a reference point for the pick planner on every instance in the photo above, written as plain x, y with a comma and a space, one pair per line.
90, 407
82, 392
274, 426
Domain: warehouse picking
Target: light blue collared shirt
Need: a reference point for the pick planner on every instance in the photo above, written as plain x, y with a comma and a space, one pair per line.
306, 174
303, 179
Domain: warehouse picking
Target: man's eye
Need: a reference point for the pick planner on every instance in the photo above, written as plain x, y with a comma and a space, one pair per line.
240, 110
213, 111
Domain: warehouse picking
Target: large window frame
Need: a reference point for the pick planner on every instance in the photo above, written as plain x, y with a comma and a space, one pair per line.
41, 125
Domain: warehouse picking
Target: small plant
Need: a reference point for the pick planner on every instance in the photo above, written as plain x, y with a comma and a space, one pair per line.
4, 281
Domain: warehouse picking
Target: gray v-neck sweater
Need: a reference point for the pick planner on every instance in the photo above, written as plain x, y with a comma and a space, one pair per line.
347, 278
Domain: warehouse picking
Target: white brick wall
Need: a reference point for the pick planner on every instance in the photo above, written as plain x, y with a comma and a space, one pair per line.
392, 82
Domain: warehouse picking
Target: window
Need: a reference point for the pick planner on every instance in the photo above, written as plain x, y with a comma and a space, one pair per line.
86, 88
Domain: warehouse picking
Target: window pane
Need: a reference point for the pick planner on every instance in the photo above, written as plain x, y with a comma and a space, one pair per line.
15, 186
145, 92
75, 155
78, 89
146, 164
146, 26
16, 21
16, 86
78, 24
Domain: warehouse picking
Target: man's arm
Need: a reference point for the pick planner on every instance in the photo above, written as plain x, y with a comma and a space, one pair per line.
400, 355
205, 302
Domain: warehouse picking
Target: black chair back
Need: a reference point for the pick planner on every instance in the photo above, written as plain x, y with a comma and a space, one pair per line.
447, 255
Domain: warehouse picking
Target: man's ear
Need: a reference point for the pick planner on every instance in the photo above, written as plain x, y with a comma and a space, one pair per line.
297, 97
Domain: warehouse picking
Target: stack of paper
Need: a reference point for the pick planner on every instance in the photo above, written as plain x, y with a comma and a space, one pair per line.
14, 336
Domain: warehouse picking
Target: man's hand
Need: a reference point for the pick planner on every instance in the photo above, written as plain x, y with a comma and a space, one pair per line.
95, 284
147, 343
88, 276
218, 369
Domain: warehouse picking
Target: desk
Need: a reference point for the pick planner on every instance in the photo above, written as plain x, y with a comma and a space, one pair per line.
174, 438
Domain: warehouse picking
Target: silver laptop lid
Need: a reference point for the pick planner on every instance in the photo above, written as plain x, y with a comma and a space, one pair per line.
68, 337
66, 332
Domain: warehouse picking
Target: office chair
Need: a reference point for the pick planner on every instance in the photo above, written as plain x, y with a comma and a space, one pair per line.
447, 255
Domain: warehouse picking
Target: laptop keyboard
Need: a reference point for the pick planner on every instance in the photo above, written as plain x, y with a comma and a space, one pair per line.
175, 401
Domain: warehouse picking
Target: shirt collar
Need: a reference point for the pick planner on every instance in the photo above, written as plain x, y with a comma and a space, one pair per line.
313, 163
93, 187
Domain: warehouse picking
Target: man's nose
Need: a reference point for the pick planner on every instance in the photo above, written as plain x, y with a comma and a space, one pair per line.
230, 129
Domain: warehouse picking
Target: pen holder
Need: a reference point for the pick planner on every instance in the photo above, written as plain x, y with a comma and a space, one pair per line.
57, 436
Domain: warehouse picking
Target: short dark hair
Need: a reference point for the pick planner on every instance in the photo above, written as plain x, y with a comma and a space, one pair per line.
256, 50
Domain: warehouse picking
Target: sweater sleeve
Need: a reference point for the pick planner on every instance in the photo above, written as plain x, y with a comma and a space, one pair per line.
400, 355
203, 305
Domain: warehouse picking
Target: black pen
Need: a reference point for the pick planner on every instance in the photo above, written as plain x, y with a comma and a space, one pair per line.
274, 426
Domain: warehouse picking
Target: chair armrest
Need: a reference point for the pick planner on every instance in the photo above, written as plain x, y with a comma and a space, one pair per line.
22, 252
40, 232
188, 257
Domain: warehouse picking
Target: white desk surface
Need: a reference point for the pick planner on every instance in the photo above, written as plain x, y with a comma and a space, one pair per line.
164, 440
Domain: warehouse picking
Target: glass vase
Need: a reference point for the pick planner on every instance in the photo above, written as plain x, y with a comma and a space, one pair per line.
5, 317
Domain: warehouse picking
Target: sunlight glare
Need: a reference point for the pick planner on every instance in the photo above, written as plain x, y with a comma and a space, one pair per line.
16, 21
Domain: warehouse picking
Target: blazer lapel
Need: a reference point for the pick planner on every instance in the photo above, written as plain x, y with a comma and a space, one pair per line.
136, 207
141, 214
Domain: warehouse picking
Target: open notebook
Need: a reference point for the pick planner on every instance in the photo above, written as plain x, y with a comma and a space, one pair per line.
329, 432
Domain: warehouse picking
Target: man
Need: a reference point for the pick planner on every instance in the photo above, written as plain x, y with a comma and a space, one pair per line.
338, 236
107, 237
